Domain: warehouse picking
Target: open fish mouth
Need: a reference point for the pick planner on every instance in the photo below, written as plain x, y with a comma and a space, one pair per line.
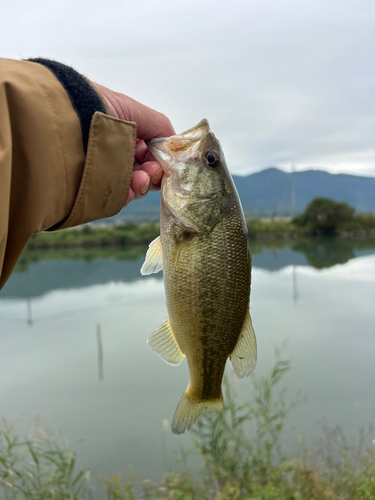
184, 141
166, 149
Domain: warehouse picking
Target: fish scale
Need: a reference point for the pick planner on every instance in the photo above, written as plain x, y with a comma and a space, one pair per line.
203, 250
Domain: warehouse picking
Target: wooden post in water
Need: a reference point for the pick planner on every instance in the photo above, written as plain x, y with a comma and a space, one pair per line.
29, 315
100, 351
295, 291
164, 429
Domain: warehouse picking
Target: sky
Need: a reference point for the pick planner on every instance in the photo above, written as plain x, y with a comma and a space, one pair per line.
281, 82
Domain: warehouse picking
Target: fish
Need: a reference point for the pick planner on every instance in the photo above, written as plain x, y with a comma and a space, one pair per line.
204, 253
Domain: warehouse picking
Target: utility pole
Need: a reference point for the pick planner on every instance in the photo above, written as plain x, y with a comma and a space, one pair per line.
100, 351
293, 193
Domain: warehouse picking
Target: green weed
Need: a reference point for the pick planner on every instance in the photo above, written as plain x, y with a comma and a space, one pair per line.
241, 457
41, 469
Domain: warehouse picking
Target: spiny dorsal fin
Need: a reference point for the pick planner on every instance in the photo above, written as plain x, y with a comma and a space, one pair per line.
154, 258
163, 342
244, 356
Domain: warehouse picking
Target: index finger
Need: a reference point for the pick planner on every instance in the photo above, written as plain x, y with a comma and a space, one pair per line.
150, 123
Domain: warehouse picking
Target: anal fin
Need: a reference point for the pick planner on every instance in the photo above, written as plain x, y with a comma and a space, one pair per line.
154, 258
163, 342
244, 355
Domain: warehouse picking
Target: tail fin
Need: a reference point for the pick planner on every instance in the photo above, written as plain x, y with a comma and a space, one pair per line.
188, 410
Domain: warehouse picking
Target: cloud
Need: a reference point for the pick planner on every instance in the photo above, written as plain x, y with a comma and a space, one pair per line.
279, 81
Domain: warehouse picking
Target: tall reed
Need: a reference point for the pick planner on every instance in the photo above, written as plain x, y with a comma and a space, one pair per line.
240, 451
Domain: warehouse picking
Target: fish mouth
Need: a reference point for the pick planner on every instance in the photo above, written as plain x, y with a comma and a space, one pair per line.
160, 151
194, 134
168, 149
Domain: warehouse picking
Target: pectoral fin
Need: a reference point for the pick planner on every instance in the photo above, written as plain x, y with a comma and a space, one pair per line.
163, 342
244, 356
154, 258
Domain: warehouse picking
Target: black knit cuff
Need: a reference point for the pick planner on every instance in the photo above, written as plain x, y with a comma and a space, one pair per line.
84, 98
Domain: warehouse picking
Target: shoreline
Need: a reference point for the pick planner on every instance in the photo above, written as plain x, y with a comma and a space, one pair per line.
294, 235
112, 240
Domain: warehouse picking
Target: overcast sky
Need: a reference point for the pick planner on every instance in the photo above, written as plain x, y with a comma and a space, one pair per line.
280, 81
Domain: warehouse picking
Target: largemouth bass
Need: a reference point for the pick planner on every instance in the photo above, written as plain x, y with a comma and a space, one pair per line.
204, 253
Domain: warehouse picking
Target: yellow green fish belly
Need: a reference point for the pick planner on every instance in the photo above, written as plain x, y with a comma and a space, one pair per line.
207, 285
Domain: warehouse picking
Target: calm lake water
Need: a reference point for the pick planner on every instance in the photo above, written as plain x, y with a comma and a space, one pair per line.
314, 300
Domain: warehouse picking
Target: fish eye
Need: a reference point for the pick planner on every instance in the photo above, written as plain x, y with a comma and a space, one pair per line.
212, 159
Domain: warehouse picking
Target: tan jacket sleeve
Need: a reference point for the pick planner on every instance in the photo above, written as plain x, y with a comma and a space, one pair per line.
46, 180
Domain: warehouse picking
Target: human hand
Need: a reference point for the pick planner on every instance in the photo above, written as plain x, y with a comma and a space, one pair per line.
147, 173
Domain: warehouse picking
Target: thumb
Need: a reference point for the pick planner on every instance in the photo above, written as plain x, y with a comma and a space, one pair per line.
150, 123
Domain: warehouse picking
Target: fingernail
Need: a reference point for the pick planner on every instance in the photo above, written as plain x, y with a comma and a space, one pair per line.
145, 188
156, 175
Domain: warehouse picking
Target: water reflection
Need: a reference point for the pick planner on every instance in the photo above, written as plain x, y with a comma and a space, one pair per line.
316, 252
100, 352
51, 360
40, 271
322, 253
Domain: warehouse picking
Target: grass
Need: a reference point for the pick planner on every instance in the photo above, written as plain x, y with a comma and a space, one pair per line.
240, 453
90, 236
275, 228
272, 227
39, 469
360, 222
128, 234
319, 252
32, 256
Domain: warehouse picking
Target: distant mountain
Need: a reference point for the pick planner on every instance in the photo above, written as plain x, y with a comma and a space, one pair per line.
268, 193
